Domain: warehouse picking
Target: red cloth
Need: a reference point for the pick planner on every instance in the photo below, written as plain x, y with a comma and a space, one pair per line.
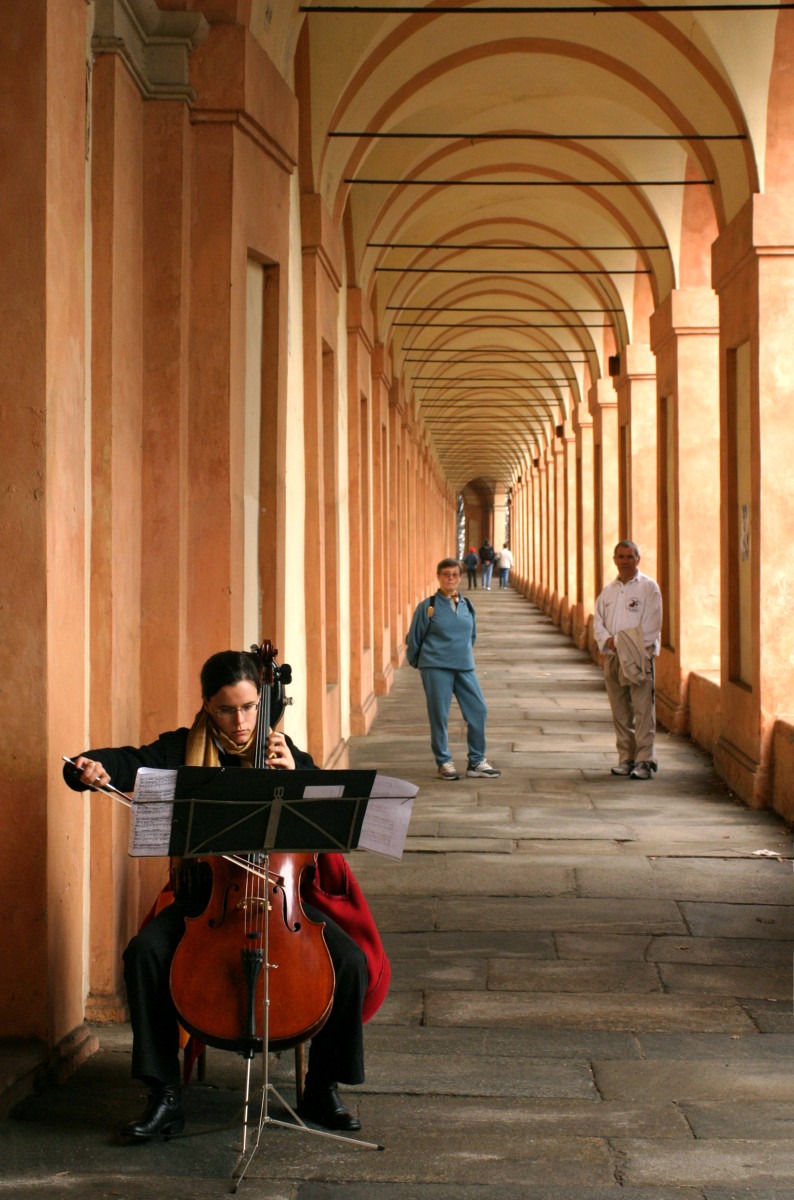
335, 891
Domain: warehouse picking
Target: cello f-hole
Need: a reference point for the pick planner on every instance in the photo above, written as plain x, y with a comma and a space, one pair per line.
213, 924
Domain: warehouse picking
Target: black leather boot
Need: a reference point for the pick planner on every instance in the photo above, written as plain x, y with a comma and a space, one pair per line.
164, 1115
322, 1105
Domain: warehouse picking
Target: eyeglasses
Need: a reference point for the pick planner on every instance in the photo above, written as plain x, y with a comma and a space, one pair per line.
229, 710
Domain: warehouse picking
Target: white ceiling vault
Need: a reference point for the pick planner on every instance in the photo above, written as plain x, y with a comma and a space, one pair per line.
521, 185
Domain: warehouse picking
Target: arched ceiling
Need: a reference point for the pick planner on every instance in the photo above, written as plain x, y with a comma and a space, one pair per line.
519, 190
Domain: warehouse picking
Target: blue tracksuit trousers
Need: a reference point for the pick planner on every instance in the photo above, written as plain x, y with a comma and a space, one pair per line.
440, 685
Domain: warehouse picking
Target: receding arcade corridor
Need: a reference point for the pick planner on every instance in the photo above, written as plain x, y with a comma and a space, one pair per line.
591, 991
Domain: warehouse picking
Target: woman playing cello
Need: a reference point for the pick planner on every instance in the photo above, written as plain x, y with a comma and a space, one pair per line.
224, 734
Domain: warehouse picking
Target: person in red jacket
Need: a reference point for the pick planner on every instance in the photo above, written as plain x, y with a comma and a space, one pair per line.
224, 734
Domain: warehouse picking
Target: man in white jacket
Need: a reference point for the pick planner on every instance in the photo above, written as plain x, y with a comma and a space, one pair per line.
627, 628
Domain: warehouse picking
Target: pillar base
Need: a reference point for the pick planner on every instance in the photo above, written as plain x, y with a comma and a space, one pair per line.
26, 1063
580, 627
566, 618
106, 1009
749, 778
397, 655
362, 715
337, 759
383, 680
672, 711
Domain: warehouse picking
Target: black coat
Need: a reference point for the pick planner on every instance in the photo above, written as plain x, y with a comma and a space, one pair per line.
167, 753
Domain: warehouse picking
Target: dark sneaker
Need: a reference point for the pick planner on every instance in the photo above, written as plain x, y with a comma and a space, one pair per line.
642, 770
483, 770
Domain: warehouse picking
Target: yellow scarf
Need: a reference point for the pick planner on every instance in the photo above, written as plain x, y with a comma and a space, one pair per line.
202, 744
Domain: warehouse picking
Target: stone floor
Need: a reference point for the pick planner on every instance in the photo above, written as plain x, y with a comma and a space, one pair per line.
591, 992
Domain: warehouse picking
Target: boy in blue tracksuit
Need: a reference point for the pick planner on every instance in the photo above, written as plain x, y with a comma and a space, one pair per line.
440, 640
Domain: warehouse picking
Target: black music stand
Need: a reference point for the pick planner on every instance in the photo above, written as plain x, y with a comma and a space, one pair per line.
220, 812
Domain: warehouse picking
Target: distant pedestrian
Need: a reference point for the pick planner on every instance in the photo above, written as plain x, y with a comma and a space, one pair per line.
627, 628
487, 556
439, 643
471, 563
504, 561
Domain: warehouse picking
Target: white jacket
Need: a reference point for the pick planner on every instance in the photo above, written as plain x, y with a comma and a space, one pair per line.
626, 605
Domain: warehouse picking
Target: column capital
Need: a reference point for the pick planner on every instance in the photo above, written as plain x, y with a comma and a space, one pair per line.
602, 395
582, 418
320, 236
686, 312
637, 361
761, 229
359, 317
381, 365
155, 45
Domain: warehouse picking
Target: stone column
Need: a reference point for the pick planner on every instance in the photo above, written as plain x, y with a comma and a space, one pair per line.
585, 507
557, 472
636, 393
383, 674
397, 550
570, 581
321, 284
43, 584
603, 403
685, 340
538, 483
359, 483
753, 275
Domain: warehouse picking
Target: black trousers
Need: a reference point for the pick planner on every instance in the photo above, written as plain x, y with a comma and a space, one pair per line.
337, 1051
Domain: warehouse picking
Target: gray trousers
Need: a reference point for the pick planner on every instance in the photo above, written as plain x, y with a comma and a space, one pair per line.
633, 712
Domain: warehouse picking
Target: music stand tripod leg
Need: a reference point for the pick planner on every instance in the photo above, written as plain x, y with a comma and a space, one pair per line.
267, 1087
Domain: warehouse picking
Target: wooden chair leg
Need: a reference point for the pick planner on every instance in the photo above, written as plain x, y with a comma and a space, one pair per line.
201, 1069
300, 1069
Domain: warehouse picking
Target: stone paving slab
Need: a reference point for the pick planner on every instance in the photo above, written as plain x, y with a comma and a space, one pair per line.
519, 976
457, 973
739, 952
568, 852
760, 1120
106, 1187
561, 913
484, 1191
608, 946
702, 842
739, 920
461, 874
748, 881
748, 982
695, 1079
425, 1073
521, 943
588, 1011
724, 1161
770, 1016
523, 1043
728, 1048
529, 823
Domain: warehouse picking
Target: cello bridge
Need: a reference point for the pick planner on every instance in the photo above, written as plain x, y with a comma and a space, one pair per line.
260, 903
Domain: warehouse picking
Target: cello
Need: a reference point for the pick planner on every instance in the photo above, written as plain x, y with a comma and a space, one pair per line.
254, 921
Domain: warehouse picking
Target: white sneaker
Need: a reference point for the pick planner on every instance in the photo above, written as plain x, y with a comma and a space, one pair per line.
447, 771
483, 770
624, 768
642, 770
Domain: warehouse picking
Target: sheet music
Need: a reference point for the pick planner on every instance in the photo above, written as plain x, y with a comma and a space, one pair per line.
385, 825
323, 791
152, 813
